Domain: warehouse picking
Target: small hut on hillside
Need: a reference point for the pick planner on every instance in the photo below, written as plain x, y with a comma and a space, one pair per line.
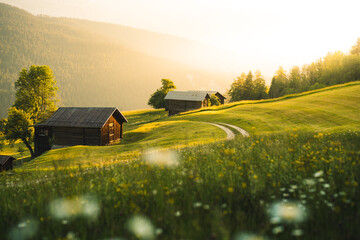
6, 162
70, 126
183, 101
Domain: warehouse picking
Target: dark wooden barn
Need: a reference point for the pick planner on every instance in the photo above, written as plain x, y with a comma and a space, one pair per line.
183, 101
70, 126
6, 162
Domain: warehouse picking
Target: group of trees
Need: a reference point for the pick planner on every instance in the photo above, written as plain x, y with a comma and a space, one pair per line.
248, 87
34, 102
334, 68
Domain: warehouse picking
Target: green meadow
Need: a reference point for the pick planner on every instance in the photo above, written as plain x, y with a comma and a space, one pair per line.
295, 177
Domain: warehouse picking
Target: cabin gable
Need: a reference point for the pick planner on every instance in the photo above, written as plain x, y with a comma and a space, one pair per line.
111, 131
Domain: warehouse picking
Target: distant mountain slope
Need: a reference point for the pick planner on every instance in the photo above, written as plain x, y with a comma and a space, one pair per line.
160, 45
92, 67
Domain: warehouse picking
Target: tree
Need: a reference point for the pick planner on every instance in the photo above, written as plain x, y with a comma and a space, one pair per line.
157, 98
237, 87
260, 89
214, 100
18, 126
248, 92
34, 100
332, 69
279, 83
355, 50
36, 91
294, 80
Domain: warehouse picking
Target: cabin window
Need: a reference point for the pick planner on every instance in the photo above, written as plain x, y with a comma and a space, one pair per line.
111, 124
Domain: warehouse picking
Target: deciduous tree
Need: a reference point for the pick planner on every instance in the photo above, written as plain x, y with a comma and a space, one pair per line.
18, 126
36, 92
157, 98
34, 100
237, 88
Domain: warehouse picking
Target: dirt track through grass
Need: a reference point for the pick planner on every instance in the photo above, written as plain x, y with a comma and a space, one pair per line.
240, 130
229, 134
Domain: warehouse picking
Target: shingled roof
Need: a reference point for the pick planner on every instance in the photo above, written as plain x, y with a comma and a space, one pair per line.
5, 158
187, 95
89, 117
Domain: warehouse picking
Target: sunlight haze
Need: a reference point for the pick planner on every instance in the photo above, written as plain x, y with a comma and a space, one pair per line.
257, 34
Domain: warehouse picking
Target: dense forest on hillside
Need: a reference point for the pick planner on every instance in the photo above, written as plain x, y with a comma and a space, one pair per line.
92, 68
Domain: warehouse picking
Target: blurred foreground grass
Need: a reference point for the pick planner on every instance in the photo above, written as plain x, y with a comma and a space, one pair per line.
295, 184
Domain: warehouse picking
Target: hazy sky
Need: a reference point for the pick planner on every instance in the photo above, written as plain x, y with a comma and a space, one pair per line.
267, 33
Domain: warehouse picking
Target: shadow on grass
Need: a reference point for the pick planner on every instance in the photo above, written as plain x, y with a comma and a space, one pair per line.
133, 137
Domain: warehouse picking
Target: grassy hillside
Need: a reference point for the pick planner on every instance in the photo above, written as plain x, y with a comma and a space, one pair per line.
329, 109
295, 177
92, 68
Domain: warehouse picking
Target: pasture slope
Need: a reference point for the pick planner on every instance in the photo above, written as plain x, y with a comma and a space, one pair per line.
295, 177
330, 109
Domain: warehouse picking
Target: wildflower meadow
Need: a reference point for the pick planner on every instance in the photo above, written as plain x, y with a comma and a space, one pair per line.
289, 185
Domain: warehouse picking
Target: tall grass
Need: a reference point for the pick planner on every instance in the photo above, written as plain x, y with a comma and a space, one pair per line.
295, 184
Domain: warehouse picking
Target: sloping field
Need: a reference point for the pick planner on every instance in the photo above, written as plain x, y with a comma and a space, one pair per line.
285, 185
330, 109
165, 134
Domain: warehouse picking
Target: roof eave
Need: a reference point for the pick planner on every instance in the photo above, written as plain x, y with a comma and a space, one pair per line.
113, 114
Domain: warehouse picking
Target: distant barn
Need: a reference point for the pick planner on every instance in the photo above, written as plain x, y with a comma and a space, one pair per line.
6, 162
70, 126
183, 101
217, 94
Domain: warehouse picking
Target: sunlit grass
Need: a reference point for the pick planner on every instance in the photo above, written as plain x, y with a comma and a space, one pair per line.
272, 186
166, 134
331, 109
296, 176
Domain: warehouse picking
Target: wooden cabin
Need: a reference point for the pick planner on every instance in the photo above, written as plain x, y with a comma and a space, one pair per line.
6, 162
183, 101
70, 126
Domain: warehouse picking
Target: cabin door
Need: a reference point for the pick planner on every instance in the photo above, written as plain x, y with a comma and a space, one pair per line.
111, 132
